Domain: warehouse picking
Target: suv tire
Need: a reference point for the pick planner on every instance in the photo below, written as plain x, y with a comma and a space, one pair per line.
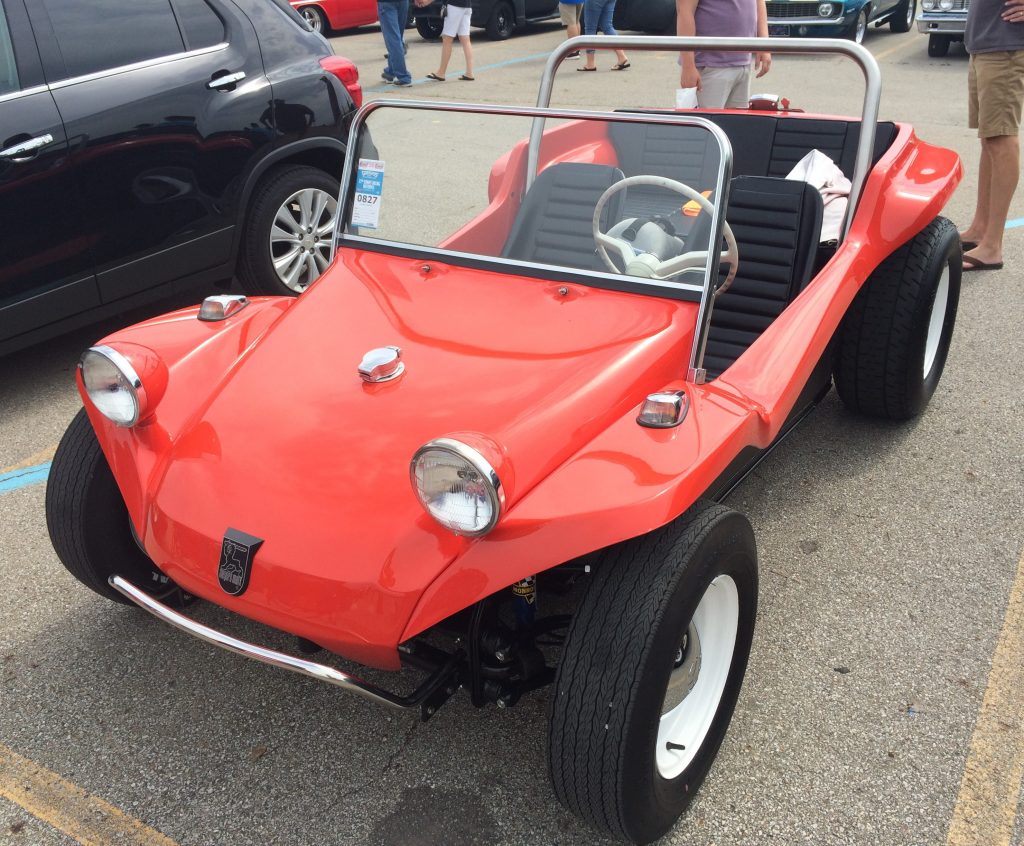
286, 237
938, 45
502, 21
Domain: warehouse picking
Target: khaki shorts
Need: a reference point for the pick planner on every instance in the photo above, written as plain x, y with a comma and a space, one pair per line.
995, 92
571, 15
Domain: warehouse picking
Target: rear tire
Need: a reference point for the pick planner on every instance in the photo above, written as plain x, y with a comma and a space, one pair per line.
894, 340
429, 28
858, 29
88, 522
315, 18
502, 21
278, 255
902, 19
938, 45
646, 664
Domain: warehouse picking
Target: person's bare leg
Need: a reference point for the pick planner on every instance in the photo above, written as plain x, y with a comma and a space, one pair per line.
1004, 164
621, 57
572, 30
467, 51
980, 220
446, 55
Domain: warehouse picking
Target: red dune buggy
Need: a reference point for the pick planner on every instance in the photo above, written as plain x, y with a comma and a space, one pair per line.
548, 367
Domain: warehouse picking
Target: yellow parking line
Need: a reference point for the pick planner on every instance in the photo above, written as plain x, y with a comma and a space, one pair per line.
987, 805
69, 808
903, 44
39, 458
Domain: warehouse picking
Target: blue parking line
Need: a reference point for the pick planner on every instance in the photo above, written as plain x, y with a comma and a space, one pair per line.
1013, 224
452, 74
24, 477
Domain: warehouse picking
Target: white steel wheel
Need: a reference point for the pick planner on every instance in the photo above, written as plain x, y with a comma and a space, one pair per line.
655, 655
698, 677
936, 322
300, 239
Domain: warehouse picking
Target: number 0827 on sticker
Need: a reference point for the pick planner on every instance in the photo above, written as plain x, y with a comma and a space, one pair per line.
369, 191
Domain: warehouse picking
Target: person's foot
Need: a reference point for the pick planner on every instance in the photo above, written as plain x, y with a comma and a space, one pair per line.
968, 240
982, 259
575, 54
387, 77
587, 68
402, 83
436, 77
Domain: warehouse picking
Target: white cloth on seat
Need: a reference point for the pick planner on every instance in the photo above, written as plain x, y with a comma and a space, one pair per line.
820, 171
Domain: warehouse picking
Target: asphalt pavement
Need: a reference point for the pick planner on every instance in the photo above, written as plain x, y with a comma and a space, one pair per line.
890, 559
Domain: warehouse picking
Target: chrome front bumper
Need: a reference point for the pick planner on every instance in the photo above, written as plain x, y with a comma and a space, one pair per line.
941, 24
428, 696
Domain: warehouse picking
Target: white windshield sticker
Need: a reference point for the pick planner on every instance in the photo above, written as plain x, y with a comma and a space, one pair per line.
369, 188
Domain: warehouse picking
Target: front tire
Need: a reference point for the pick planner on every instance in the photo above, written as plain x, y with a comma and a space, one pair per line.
938, 45
653, 663
286, 241
88, 522
501, 22
858, 29
894, 340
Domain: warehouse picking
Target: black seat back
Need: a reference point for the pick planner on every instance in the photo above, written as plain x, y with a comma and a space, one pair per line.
777, 224
554, 223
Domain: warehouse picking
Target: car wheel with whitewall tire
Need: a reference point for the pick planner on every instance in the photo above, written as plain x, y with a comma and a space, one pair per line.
859, 27
286, 241
316, 19
894, 340
502, 21
429, 28
938, 45
89, 524
651, 671
902, 19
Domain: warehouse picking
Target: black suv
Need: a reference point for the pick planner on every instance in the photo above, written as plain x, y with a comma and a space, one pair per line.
153, 144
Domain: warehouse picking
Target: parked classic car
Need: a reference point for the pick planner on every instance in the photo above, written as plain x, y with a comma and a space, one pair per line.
500, 18
804, 18
325, 15
502, 459
164, 145
944, 22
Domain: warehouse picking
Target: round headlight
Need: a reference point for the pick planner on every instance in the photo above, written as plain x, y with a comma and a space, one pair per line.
927, 5
457, 486
113, 385
946, 5
825, 10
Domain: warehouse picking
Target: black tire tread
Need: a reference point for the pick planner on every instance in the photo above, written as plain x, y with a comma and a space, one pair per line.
632, 591
874, 347
78, 465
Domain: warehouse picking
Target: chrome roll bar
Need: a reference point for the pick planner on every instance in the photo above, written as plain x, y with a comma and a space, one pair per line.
856, 52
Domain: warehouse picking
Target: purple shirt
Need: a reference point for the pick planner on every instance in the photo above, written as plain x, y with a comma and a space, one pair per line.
725, 19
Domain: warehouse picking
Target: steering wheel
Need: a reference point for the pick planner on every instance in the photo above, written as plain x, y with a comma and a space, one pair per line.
677, 264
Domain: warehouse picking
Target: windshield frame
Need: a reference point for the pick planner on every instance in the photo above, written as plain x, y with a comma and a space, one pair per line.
689, 292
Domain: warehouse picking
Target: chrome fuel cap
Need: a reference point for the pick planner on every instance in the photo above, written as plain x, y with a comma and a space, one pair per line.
381, 365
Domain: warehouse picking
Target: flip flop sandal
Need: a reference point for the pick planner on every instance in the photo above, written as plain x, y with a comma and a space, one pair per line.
968, 245
587, 70
971, 263
468, 78
434, 76
621, 66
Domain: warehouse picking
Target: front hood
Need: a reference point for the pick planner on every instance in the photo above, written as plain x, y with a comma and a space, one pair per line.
294, 448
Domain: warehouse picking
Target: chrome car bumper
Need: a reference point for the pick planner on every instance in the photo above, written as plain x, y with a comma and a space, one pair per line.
941, 24
437, 688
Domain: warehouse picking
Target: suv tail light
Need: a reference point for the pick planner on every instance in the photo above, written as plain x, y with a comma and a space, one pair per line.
348, 73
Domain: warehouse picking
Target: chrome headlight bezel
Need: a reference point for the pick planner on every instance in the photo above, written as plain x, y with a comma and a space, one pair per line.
487, 477
127, 379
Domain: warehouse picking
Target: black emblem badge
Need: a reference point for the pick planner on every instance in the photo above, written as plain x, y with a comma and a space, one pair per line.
236, 554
